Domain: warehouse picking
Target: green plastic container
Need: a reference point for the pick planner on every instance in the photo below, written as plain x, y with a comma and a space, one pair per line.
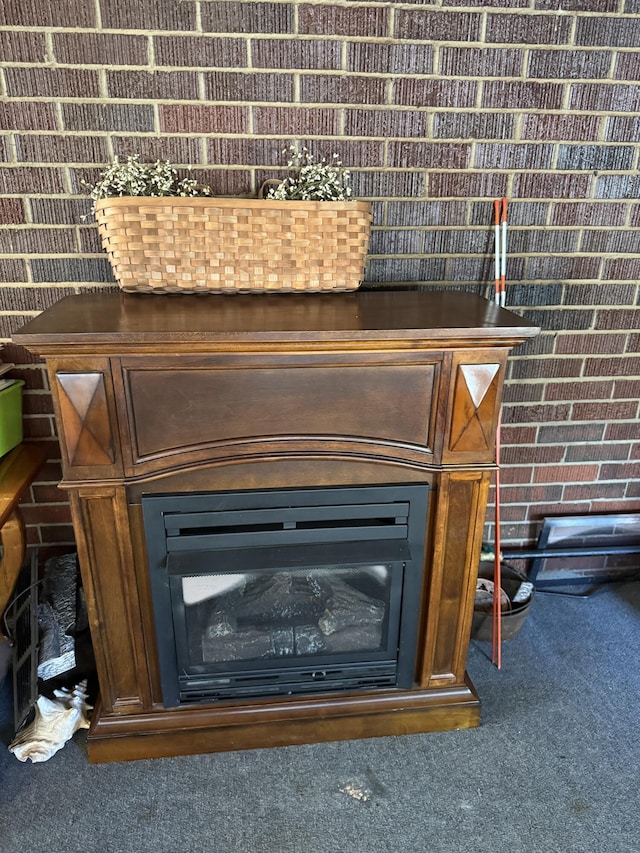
10, 417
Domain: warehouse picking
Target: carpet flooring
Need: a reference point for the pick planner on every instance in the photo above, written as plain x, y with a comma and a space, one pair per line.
553, 768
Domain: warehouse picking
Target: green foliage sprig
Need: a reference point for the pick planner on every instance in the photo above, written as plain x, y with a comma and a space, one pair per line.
132, 178
309, 180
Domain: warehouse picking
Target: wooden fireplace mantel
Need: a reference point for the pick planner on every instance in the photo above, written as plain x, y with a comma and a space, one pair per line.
160, 394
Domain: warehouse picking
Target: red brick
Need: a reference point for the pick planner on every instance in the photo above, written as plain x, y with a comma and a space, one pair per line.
612, 366
155, 85
563, 268
33, 377
578, 391
627, 389
22, 46
232, 86
571, 344
588, 213
200, 51
512, 475
178, 150
384, 184
616, 319
622, 431
425, 25
622, 128
593, 491
38, 427
238, 16
569, 64
528, 29
510, 156
622, 268
572, 433
485, 62
473, 125
31, 180
613, 411
35, 13
57, 513
579, 5
561, 127
428, 155
543, 455
33, 298
27, 116
390, 58
425, 213
565, 474
13, 269
343, 21
25, 82
633, 344
464, 185
627, 66
533, 185
595, 157
512, 435
620, 471
48, 494
615, 506
499, 94
415, 92
88, 48
597, 452
296, 53
611, 241
513, 513
179, 118
384, 123
353, 89
591, 294
535, 414
11, 211
545, 368
618, 186
608, 32
296, 121
42, 241
168, 15
34, 403
117, 117
614, 97
62, 149
538, 512
61, 533
523, 393
531, 494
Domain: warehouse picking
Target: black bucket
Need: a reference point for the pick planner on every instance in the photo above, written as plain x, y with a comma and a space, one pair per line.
512, 620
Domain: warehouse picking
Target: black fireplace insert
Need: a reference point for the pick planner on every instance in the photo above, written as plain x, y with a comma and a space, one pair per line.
278, 592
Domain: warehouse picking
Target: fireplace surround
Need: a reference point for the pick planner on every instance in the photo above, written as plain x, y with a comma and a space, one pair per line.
225, 404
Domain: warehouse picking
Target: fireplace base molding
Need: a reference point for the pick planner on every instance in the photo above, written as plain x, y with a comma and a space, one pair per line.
158, 395
286, 722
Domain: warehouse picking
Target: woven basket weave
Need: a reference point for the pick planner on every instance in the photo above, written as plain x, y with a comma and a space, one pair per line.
232, 245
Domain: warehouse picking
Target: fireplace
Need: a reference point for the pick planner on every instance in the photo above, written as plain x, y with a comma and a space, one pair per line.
285, 592
232, 460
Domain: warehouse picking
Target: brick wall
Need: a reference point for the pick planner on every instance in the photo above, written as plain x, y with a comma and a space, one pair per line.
438, 106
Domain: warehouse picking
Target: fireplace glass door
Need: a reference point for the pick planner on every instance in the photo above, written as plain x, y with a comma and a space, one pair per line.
285, 592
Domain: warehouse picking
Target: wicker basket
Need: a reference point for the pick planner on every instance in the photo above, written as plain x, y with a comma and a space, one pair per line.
234, 245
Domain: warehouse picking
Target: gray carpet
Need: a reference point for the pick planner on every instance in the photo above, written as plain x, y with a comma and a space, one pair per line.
552, 769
